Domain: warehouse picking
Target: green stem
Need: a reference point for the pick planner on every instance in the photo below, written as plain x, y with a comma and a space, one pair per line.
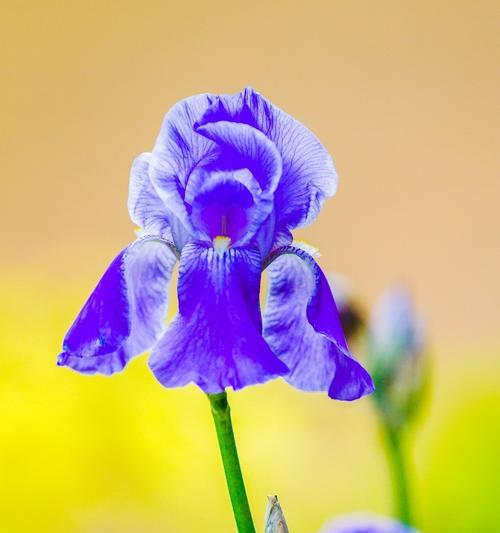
399, 474
222, 418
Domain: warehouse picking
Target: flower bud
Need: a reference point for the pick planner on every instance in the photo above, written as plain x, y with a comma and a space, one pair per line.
395, 347
275, 520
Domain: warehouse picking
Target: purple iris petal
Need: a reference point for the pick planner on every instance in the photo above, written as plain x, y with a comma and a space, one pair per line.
166, 181
125, 314
245, 146
215, 341
241, 128
179, 141
309, 176
302, 326
223, 207
145, 207
179, 149
204, 178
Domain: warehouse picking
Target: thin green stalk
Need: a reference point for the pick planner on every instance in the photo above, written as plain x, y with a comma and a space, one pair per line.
399, 475
222, 418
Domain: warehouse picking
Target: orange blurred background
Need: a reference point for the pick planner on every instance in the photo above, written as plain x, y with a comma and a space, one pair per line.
404, 95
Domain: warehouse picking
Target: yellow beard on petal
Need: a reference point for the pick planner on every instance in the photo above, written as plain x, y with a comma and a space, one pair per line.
221, 243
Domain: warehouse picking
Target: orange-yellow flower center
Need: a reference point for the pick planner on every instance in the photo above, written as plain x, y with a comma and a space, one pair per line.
221, 243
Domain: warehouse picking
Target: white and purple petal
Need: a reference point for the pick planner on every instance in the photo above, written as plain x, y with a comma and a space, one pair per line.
179, 141
177, 152
184, 151
245, 147
216, 339
223, 205
302, 326
309, 176
145, 207
125, 314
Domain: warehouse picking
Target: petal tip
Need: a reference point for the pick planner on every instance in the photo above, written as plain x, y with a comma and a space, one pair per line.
61, 359
352, 391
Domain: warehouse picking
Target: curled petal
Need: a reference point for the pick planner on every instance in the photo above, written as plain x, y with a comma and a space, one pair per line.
167, 184
302, 326
249, 148
223, 206
309, 176
179, 142
145, 207
125, 314
215, 341
177, 152
203, 179
245, 146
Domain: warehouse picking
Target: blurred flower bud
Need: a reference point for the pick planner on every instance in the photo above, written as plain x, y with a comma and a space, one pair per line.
275, 520
365, 523
350, 314
395, 347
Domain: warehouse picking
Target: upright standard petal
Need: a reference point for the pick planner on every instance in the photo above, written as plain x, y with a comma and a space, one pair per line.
125, 314
178, 140
223, 205
302, 326
309, 176
177, 152
216, 339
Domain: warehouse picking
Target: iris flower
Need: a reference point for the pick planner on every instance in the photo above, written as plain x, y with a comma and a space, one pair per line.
229, 178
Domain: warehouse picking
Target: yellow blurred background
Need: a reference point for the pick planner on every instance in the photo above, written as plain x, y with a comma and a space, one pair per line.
404, 96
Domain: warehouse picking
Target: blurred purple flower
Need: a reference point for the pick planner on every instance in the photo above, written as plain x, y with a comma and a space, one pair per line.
366, 523
396, 330
228, 179
396, 344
